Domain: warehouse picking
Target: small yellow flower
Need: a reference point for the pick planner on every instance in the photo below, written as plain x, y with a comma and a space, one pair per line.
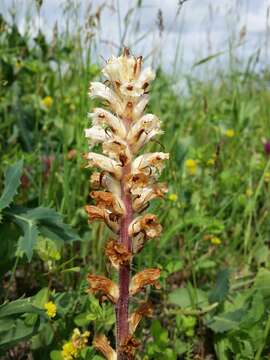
215, 240
69, 351
249, 192
191, 166
230, 133
80, 340
173, 197
18, 65
47, 102
50, 308
267, 177
211, 162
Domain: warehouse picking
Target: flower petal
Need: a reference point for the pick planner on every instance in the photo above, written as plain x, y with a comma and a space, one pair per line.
150, 163
102, 91
105, 163
103, 117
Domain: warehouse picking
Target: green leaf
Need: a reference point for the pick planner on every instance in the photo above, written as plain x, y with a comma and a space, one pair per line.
12, 181
226, 321
188, 298
220, 291
19, 306
40, 220
262, 283
56, 355
18, 332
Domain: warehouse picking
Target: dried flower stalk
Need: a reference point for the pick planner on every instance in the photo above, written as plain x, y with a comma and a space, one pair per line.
123, 189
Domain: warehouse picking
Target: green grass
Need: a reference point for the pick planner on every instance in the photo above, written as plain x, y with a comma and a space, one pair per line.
214, 298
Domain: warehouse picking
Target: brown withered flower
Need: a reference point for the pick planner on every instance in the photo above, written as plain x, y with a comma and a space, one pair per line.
129, 346
144, 278
102, 344
145, 309
117, 253
104, 286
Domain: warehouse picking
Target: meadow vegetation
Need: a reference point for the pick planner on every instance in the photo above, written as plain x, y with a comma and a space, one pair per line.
214, 249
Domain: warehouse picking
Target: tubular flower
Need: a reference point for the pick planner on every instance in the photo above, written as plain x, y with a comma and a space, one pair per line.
124, 187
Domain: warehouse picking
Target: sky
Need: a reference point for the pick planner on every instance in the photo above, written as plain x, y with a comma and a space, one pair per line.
190, 33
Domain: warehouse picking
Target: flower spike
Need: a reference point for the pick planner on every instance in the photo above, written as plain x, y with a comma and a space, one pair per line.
123, 188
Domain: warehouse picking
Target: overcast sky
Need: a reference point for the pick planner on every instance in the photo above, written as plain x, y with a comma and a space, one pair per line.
200, 28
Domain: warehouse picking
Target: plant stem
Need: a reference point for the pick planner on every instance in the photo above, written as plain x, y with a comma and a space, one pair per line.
124, 273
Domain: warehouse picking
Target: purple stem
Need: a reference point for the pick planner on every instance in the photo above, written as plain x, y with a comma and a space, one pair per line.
122, 327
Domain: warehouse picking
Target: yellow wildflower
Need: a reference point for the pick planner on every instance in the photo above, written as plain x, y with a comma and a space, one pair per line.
47, 102
215, 240
173, 197
79, 340
267, 177
50, 308
211, 162
69, 351
249, 192
230, 133
191, 166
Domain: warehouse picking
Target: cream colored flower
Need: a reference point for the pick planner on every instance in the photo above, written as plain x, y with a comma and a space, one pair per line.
102, 117
150, 164
105, 163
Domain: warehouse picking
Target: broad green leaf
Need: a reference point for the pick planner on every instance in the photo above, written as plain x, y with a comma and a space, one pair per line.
18, 332
19, 306
12, 181
220, 291
226, 321
188, 297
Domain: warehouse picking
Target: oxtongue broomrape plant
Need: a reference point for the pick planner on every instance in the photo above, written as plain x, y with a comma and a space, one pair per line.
127, 181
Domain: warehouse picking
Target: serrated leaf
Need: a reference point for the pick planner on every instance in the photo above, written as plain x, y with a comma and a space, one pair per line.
221, 289
28, 241
226, 321
12, 181
40, 220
